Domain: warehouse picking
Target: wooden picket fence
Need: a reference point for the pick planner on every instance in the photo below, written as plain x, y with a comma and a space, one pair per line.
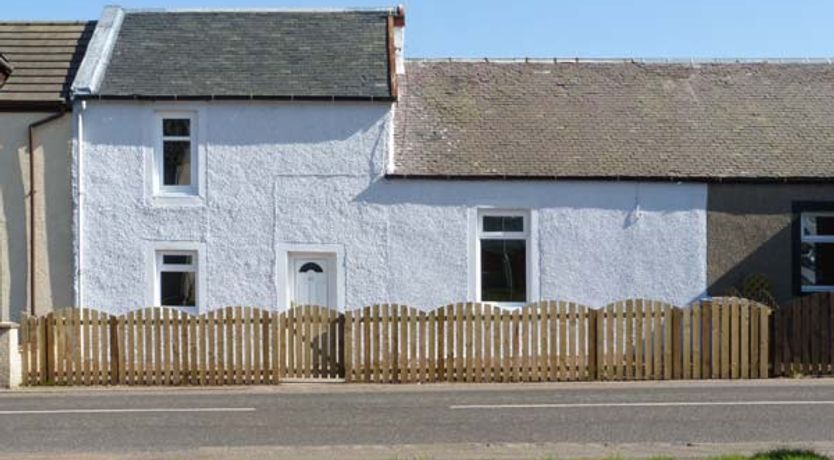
162, 346
468, 342
726, 338
558, 341
803, 332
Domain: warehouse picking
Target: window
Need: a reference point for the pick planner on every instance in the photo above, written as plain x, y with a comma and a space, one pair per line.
176, 278
176, 159
502, 251
816, 251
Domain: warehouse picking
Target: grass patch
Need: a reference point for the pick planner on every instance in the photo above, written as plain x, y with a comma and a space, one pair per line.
789, 454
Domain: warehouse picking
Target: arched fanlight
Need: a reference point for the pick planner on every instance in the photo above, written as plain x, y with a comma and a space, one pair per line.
310, 266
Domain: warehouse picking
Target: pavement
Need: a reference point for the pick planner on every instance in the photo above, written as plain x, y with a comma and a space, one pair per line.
306, 421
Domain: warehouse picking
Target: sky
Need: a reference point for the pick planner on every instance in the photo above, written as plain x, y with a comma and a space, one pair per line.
553, 28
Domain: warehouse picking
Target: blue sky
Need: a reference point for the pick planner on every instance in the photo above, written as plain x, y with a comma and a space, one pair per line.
555, 28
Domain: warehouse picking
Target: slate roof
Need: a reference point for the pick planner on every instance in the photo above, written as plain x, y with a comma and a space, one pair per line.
45, 57
240, 54
616, 120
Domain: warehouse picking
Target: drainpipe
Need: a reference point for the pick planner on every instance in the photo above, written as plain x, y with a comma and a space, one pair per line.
32, 249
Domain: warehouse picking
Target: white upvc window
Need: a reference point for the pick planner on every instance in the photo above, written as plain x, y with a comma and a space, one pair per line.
176, 280
176, 163
816, 258
503, 257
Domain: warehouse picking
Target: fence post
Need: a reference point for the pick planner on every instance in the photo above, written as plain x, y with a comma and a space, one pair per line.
10, 362
116, 371
593, 368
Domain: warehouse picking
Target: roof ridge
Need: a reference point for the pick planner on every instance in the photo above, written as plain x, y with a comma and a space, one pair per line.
671, 61
46, 22
388, 10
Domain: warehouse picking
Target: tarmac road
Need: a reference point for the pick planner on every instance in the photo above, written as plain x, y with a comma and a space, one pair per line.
158, 422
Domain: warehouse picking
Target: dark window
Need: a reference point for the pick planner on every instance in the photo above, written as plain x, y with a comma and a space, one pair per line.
817, 264
177, 289
176, 259
503, 224
177, 163
813, 254
503, 270
180, 127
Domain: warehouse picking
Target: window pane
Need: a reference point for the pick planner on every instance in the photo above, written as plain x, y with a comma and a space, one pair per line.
176, 260
814, 224
503, 270
177, 167
817, 264
177, 289
176, 127
503, 224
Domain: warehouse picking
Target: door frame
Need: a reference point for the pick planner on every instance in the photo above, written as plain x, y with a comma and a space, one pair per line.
286, 252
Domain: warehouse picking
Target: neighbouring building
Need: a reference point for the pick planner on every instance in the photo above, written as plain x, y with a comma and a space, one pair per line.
38, 62
277, 157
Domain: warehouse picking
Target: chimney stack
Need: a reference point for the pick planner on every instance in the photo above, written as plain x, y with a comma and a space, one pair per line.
399, 39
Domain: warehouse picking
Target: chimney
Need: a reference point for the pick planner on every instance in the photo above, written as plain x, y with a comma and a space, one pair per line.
399, 39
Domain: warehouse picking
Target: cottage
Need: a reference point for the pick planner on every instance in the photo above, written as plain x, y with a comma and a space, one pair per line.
38, 63
279, 157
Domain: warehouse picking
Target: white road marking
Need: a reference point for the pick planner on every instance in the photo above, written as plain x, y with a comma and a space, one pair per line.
127, 411
640, 404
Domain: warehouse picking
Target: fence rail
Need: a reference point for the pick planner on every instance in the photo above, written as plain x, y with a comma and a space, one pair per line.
723, 338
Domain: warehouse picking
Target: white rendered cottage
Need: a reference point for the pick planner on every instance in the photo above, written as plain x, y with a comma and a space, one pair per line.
264, 158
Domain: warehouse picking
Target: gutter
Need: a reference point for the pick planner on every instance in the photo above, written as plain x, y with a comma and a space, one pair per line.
598, 178
32, 191
231, 97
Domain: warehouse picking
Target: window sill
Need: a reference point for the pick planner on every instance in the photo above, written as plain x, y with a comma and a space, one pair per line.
506, 305
176, 200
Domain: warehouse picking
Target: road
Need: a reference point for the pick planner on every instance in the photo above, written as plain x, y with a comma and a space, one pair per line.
292, 419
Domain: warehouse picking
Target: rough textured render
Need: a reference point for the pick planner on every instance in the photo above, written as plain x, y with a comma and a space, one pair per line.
235, 54
312, 174
45, 57
616, 119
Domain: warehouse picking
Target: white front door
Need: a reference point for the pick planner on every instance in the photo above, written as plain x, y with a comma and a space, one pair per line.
313, 280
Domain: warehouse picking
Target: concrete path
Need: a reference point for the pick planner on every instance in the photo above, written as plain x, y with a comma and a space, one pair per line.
434, 421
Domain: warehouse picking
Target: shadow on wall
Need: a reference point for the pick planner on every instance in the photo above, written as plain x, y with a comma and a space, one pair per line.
55, 203
772, 259
749, 231
629, 197
14, 264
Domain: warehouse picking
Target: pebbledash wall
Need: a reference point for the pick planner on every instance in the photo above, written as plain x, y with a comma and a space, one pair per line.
287, 175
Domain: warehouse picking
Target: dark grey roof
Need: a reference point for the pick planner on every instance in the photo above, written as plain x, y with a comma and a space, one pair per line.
239, 54
44, 57
616, 120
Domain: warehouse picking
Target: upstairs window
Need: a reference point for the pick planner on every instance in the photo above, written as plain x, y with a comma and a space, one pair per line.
176, 159
503, 242
816, 258
176, 278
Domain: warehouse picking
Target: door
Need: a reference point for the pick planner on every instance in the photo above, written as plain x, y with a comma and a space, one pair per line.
313, 280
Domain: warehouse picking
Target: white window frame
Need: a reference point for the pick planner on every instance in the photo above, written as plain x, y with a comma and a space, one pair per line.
803, 238
155, 250
159, 156
525, 235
